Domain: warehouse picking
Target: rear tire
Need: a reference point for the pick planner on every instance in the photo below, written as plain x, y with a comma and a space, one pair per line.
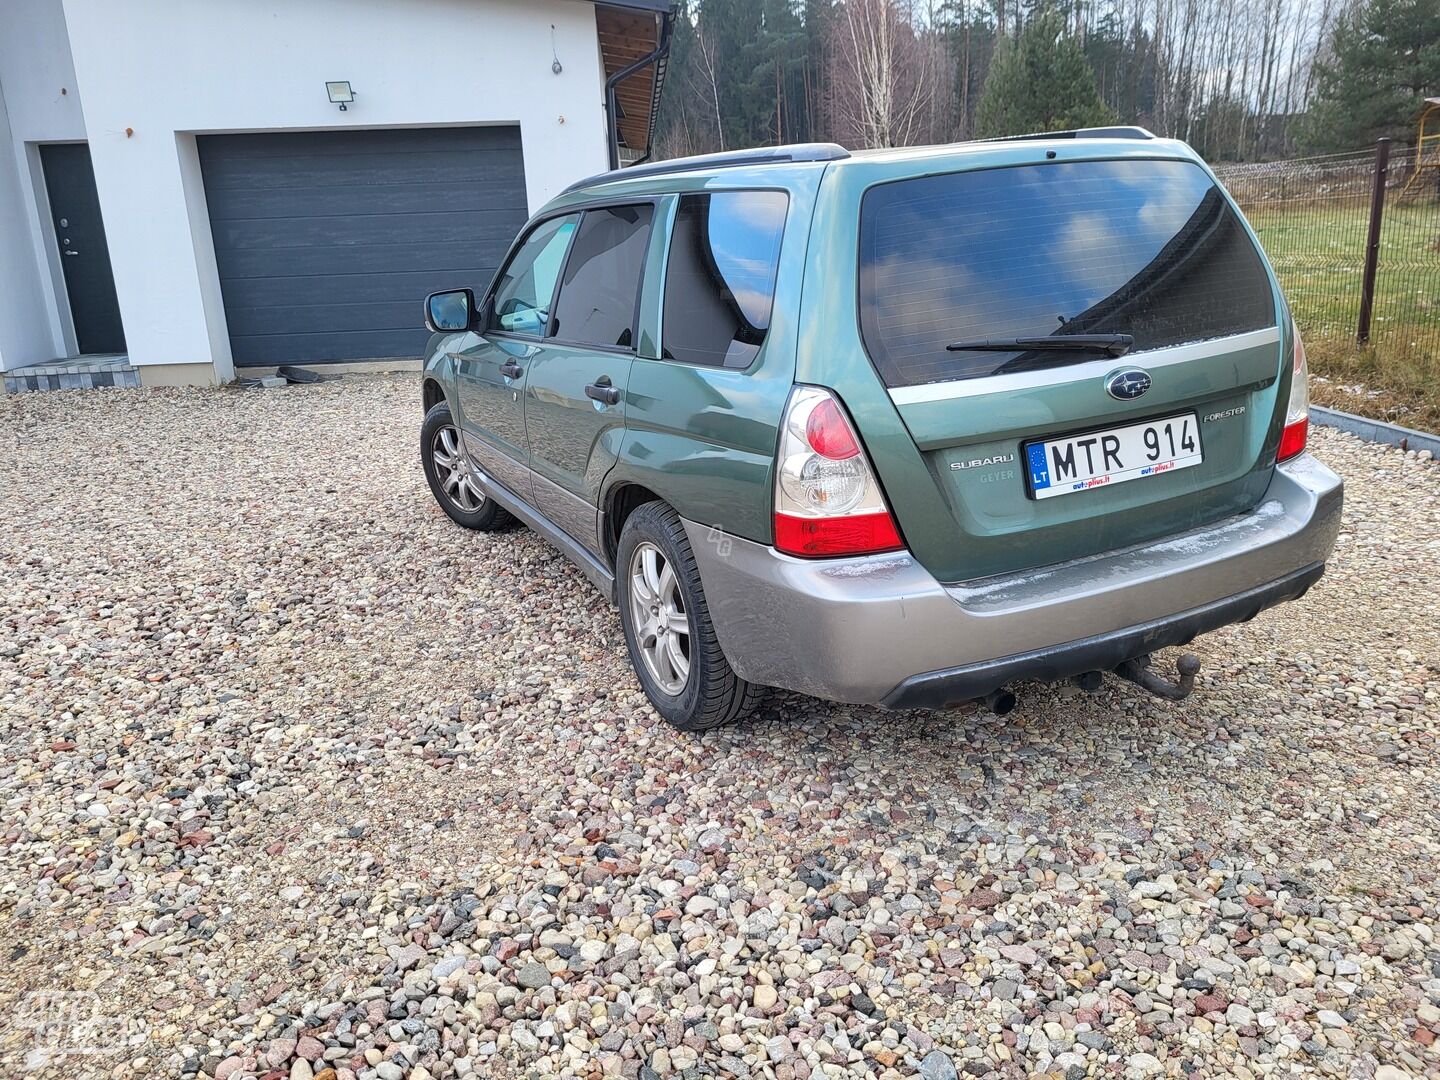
451, 479
684, 672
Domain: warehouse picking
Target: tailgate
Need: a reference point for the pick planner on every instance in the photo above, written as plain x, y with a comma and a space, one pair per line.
969, 284
973, 446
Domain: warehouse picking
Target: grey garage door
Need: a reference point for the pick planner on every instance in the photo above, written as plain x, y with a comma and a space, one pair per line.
328, 242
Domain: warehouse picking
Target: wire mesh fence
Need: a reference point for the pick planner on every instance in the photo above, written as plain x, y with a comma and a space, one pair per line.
1408, 281
1312, 216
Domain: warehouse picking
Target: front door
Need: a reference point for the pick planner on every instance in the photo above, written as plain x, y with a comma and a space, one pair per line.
574, 392
75, 213
492, 367
489, 375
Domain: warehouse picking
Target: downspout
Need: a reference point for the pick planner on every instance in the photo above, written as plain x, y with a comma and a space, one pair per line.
612, 129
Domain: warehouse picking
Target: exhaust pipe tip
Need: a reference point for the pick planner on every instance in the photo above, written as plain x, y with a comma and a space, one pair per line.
1000, 702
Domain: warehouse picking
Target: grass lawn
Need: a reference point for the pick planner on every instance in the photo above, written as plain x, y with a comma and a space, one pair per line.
1317, 248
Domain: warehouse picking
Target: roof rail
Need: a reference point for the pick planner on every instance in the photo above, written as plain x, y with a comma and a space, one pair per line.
726, 159
1119, 132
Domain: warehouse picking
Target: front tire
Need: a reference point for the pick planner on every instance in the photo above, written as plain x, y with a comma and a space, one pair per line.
668, 632
452, 481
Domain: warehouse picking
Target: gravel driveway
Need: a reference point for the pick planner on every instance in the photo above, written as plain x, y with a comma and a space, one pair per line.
300, 777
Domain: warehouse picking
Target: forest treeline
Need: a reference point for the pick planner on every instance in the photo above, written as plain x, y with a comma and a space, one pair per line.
1238, 79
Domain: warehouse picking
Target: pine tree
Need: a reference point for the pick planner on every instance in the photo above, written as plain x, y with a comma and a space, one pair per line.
773, 92
685, 123
970, 42
816, 16
1039, 81
1384, 61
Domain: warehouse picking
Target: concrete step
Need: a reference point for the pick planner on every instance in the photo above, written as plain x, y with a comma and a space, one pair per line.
80, 373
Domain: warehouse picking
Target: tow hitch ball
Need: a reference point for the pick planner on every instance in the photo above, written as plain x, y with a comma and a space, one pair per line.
1138, 671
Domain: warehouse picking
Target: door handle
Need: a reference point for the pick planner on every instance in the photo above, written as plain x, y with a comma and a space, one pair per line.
511, 369
601, 390
69, 252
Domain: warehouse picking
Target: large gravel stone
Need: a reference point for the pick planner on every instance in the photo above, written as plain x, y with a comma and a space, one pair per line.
937, 1065
533, 975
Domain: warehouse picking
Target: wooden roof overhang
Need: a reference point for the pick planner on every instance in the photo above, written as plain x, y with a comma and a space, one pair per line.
629, 34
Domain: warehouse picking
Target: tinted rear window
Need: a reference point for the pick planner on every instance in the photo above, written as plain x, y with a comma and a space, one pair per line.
598, 295
1147, 248
720, 277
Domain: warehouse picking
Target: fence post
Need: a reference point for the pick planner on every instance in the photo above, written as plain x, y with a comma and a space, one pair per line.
1372, 243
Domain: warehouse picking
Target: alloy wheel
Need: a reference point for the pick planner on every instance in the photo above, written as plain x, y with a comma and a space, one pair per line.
452, 469
657, 609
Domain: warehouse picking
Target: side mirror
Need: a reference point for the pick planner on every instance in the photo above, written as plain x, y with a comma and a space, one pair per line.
449, 312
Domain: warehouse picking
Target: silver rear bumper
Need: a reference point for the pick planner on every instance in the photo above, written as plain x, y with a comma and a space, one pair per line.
881, 630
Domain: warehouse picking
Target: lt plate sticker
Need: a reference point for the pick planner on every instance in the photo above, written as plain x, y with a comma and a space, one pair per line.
1102, 458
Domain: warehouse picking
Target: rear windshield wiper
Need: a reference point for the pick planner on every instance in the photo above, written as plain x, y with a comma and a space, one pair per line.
1114, 344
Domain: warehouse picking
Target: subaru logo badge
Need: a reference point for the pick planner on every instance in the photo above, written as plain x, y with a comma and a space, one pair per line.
1127, 383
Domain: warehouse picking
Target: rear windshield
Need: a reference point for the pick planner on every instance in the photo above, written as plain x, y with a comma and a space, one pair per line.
1145, 248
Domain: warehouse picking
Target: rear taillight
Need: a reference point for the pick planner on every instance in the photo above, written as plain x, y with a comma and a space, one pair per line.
1297, 413
827, 500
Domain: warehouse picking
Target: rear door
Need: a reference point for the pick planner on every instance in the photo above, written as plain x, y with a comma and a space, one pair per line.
491, 367
575, 386
1030, 454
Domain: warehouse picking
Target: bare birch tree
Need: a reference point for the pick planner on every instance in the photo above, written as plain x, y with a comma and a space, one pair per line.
883, 76
707, 70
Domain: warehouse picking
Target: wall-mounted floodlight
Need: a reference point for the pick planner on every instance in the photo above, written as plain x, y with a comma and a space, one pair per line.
340, 94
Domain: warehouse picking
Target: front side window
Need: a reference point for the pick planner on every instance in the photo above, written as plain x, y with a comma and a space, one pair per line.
720, 276
522, 296
597, 304
1145, 248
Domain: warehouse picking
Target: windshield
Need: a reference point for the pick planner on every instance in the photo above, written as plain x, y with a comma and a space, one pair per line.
1144, 248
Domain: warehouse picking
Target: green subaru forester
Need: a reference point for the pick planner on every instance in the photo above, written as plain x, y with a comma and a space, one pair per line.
900, 427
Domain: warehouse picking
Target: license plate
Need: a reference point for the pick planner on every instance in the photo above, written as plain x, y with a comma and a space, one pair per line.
1112, 455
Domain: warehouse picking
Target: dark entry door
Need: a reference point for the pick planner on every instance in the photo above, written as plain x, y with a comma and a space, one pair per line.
75, 209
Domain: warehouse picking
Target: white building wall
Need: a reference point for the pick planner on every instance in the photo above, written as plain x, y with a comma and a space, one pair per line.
38, 73
38, 103
23, 337
152, 73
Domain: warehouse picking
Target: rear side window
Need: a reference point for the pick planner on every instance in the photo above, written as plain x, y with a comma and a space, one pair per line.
1146, 248
601, 287
720, 276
